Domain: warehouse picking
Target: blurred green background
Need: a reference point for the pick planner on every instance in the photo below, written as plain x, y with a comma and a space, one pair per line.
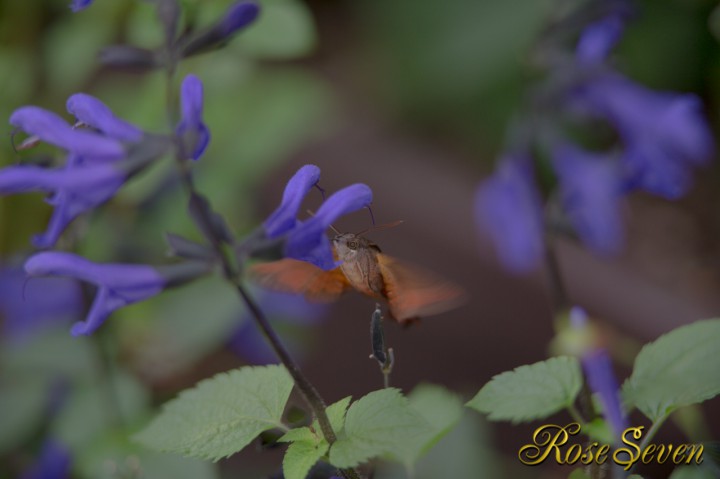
412, 98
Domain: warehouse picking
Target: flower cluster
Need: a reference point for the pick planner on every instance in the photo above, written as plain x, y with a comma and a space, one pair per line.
662, 136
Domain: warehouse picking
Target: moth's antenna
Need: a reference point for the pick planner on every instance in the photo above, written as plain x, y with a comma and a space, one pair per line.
372, 216
335, 230
381, 227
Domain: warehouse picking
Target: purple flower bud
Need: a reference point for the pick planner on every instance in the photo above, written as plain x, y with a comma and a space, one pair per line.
238, 16
600, 377
50, 128
192, 133
78, 5
664, 133
307, 241
54, 462
76, 189
96, 114
283, 219
508, 207
590, 187
599, 38
118, 284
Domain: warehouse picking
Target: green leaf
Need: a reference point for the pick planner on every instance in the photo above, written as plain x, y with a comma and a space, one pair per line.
221, 415
530, 392
678, 369
300, 457
299, 434
382, 422
336, 415
579, 474
441, 409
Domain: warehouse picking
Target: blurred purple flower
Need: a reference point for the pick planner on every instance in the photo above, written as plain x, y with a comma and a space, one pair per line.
598, 38
78, 5
508, 207
590, 188
308, 242
53, 463
283, 310
76, 189
94, 113
283, 219
118, 284
27, 306
238, 16
664, 134
600, 377
191, 132
50, 128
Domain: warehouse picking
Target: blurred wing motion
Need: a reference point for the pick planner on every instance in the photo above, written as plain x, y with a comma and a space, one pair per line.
413, 292
299, 277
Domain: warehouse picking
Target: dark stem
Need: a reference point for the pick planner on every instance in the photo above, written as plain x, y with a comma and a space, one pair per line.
557, 285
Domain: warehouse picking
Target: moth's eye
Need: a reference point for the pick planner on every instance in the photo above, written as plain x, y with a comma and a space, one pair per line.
352, 244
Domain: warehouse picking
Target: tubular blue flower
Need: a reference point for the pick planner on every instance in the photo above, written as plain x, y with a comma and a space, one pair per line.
118, 284
193, 135
50, 128
600, 377
78, 5
283, 219
508, 207
29, 306
664, 133
76, 189
96, 114
307, 241
54, 462
238, 16
590, 188
284, 311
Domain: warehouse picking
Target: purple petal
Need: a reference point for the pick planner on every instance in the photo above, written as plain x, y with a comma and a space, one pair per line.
283, 219
52, 129
307, 242
508, 207
590, 187
192, 132
96, 114
54, 462
118, 284
78, 5
599, 38
239, 15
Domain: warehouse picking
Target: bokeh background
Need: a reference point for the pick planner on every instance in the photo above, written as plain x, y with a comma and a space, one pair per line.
413, 99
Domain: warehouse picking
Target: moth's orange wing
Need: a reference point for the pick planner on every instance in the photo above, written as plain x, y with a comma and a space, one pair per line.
413, 292
299, 277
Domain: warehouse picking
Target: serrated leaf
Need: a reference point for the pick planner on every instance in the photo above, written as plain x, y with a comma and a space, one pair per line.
530, 392
300, 457
221, 415
382, 422
336, 415
678, 369
441, 409
299, 434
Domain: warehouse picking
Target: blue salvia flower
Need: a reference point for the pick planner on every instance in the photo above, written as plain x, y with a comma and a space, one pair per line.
75, 189
284, 218
192, 133
665, 134
308, 242
29, 306
54, 462
599, 38
50, 128
118, 285
94, 113
590, 188
600, 376
238, 16
508, 207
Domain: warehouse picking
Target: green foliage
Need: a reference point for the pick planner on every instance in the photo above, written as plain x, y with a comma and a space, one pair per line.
301, 456
382, 422
678, 369
22, 404
530, 392
221, 415
578, 474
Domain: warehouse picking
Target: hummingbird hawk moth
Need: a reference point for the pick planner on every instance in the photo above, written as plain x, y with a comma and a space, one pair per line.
409, 291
